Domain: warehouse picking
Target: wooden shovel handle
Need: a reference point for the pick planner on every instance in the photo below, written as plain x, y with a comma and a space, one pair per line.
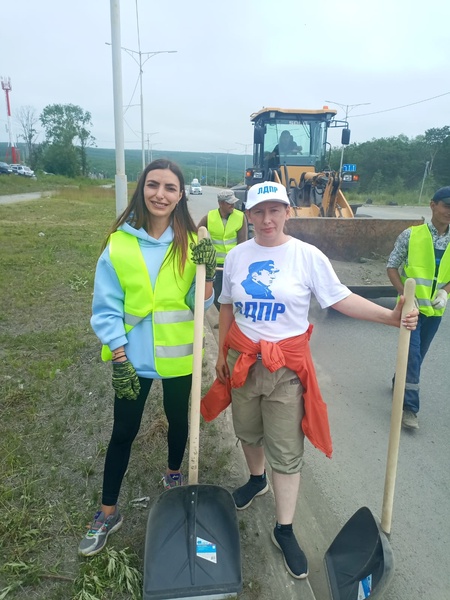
397, 409
196, 390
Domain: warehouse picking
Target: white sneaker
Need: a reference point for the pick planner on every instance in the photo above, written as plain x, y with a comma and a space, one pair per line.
410, 420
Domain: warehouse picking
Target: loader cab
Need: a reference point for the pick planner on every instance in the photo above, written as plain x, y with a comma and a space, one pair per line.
288, 143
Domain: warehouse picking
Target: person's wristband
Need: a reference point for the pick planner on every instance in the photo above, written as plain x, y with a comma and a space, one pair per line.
210, 279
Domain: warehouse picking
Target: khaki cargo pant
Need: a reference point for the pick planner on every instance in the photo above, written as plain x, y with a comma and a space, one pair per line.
267, 411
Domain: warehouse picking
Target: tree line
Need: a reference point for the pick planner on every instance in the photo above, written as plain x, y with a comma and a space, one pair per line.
393, 164
398, 164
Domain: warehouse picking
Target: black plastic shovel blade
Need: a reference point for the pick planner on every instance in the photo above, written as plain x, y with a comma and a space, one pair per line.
192, 547
360, 561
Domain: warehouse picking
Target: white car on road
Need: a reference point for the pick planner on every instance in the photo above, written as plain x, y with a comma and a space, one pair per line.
195, 188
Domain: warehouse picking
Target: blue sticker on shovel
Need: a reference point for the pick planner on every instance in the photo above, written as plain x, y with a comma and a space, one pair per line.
206, 550
365, 588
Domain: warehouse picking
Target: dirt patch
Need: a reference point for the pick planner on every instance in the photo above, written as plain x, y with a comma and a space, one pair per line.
366, 272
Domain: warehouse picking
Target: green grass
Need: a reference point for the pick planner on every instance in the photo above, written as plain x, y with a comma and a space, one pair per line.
56, 410
15, 184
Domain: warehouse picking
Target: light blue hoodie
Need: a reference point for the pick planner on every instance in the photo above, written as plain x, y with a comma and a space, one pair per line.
107, 305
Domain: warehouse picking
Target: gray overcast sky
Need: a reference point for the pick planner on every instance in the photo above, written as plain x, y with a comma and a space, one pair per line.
232, 59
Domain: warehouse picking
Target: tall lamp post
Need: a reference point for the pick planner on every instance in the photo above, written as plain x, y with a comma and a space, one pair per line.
227, 150
150, 146
245, 156
206, 168
151, 150
347, 108
121, 176
141, 62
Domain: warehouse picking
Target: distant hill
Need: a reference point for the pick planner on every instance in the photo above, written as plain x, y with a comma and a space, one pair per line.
202, 165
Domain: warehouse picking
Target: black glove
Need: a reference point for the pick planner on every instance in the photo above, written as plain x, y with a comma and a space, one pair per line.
204, 253
125, 380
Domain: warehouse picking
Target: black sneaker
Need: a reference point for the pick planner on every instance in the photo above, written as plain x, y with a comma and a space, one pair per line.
294, 557
244, 495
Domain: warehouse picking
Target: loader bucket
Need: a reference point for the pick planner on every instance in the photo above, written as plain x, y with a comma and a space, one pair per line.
349, 239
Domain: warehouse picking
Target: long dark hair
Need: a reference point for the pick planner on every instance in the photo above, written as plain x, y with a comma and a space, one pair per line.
137, 215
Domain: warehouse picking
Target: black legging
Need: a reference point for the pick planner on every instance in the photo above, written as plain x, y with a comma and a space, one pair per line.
127, 420
217, 285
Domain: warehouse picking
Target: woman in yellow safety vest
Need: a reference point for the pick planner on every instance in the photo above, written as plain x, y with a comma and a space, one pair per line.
142, 312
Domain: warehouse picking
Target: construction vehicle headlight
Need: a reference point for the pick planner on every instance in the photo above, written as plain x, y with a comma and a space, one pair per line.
257, 175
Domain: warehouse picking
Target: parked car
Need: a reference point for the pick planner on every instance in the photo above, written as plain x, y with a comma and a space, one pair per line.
195, 188
22, 170
5, 169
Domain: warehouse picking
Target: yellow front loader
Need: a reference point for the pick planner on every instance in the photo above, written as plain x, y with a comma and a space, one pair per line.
290, 147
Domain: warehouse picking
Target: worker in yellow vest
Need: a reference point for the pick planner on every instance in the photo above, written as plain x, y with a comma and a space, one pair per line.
143, 313
227, 227
423, 253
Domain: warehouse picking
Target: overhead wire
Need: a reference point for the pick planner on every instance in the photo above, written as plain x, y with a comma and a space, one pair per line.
399, 107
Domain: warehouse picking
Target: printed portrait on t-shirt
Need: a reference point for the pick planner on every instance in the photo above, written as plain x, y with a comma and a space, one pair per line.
259, 279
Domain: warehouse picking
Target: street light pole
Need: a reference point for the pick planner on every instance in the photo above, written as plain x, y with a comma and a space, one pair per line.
120, 177
227, 150
141, 63
151, 150
348, 108
148, 145
206, 168
245, 159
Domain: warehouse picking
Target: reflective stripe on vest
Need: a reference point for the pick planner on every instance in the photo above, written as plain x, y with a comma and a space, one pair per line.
173, 321
223, 237
421, 266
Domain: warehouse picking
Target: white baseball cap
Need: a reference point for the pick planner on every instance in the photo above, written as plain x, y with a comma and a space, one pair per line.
267, 190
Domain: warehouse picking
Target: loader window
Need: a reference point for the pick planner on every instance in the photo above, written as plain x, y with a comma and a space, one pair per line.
287, 142
295, 139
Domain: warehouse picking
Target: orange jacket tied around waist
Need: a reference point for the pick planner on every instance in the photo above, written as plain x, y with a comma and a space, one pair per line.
293, 353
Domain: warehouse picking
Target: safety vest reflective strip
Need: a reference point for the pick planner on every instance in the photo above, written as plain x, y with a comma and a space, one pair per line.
224, 238
421, 266
173, 321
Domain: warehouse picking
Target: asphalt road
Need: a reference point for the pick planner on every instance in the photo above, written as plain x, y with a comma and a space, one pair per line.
355, 362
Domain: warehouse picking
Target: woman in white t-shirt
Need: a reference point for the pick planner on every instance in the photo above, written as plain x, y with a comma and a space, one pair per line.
266, 293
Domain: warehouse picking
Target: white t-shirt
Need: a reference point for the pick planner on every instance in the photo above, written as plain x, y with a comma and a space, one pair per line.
270, 287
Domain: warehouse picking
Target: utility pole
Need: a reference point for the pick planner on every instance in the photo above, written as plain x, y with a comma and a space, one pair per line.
227, 150
121, 177
206, 168
425, 173
151, 150
148, 145
141, 63
245, 159
348, 108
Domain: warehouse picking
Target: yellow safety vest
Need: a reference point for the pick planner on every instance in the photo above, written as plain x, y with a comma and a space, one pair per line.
224, 238
173, 320
421, 266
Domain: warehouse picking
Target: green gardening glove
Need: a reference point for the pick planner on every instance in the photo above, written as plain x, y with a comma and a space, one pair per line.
125, 380
204, 253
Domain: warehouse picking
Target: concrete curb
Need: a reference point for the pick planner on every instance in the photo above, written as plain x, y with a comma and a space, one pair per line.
260, 516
